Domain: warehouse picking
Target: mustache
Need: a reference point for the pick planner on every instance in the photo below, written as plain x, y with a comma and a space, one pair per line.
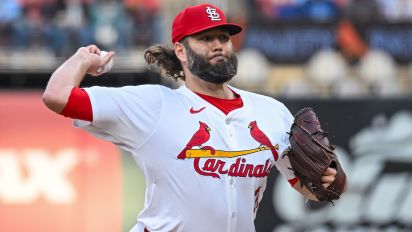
218, 54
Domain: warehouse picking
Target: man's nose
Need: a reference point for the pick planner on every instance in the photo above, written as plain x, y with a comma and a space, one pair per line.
217, 44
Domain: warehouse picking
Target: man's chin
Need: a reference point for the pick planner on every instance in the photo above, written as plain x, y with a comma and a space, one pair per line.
215, 79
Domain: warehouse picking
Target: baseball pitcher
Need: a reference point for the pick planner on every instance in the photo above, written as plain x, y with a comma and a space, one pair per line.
206, 148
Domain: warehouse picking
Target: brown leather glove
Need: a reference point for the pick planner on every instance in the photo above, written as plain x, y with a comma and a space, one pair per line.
311, 154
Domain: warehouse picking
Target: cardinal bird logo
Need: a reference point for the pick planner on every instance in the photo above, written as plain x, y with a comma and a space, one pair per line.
261, 138
201, 136
214, 163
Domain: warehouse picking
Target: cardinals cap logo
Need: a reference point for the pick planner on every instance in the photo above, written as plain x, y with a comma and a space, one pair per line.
213, 15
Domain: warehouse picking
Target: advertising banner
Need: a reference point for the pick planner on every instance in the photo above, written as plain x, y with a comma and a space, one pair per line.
54, 177
297, 42
374, 144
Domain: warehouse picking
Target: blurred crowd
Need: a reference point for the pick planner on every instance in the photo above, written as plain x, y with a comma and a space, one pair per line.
54, 29
63, 25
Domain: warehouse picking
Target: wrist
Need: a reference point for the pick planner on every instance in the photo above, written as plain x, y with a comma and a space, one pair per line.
83, 61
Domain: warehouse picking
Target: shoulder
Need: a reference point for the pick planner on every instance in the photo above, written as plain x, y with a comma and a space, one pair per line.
149, 88
267, 105
259, 98
138, 90
146, 88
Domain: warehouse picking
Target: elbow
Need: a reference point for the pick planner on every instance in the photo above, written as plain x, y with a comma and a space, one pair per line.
53, 101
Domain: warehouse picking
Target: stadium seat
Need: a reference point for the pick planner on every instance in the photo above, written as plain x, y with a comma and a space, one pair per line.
326, 67
253, 69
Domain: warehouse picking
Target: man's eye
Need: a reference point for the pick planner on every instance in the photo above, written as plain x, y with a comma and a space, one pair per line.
205, 38
224, 38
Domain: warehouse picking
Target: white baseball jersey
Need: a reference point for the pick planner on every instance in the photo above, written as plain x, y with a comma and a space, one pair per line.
204, 170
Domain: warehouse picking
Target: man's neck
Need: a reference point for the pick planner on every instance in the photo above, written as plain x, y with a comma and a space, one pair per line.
195, 84
210, 89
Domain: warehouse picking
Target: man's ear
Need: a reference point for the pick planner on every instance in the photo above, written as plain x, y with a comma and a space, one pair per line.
180, 52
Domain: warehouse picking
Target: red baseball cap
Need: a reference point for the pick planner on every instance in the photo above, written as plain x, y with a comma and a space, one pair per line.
195, 19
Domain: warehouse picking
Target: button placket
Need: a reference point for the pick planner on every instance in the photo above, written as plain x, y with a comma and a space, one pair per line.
230, 132
227, 121
231, 182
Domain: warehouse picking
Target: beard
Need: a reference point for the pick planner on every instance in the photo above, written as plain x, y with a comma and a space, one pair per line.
219, 73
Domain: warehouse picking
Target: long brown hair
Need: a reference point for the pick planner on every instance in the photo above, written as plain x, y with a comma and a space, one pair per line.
166, 61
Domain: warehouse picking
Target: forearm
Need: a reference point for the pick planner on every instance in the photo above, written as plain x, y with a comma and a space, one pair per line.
71, 73
67, 76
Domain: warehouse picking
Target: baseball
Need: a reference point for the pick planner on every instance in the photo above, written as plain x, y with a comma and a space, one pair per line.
105, 68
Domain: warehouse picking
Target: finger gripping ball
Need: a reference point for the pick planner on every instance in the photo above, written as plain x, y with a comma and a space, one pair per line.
106, 67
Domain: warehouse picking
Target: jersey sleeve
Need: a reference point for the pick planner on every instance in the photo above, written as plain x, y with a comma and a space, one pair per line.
78, 105
283, 163
124, 116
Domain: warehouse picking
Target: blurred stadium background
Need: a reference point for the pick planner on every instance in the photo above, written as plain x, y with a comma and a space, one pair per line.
349, 59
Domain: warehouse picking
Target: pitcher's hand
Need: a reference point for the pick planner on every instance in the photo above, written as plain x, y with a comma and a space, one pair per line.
91, 59
328, 177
